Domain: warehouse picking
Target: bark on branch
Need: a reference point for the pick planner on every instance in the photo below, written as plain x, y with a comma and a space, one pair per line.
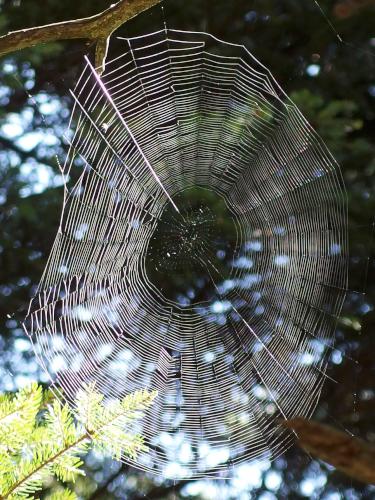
353, 456
348, 8
97, 28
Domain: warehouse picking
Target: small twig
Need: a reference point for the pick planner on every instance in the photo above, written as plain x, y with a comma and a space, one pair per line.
96, 28
101, 50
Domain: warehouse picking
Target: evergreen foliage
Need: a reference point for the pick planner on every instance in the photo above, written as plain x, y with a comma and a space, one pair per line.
40, 436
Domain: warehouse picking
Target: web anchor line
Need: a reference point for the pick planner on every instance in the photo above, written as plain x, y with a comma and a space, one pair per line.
154, 174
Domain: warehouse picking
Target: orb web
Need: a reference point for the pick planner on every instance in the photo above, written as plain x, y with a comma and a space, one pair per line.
201, 252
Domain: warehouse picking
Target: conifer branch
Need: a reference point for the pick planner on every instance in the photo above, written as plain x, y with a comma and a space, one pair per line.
44, 465
55, 440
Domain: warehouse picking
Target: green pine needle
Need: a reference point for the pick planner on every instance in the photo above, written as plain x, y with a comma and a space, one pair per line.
39, 437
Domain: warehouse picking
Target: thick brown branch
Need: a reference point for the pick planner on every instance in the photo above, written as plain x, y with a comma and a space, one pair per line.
97, 28
348, 8
353, 456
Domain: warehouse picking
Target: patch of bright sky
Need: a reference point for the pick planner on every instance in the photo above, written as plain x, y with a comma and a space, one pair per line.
307, 358
22, 344
103, 352
255, 246
19, 371
209, 356
226, 286
47, 106
313, 69
249, 475
279, 230
203, 489
220, 306
179, 452
267, 495
336, 357
57, 364
36, 175
281, 260
318, 346
273, 480
259, 310
4, 95
365, 308
309, 485
175, 470
259, 392
249, 280
216, 456
80, 231
335, 249
243, 263
245, 477
9, 67
29, 141
2, 201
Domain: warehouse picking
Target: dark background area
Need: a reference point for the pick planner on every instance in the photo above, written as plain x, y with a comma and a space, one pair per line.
332, 82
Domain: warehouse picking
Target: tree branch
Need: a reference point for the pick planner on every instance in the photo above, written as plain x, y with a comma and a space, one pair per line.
348, 8
97, 28
351, 455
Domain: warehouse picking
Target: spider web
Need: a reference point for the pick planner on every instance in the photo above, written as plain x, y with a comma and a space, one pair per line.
189, 169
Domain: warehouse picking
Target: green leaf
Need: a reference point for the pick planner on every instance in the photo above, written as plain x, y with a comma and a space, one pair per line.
62, 495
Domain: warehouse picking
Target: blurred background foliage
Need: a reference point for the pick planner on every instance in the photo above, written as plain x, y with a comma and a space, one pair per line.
332, 82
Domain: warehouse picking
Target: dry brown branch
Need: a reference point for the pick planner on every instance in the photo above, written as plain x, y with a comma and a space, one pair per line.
97, 28
351, 455
348, 8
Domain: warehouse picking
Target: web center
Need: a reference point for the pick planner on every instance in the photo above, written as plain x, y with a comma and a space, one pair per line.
192, 252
